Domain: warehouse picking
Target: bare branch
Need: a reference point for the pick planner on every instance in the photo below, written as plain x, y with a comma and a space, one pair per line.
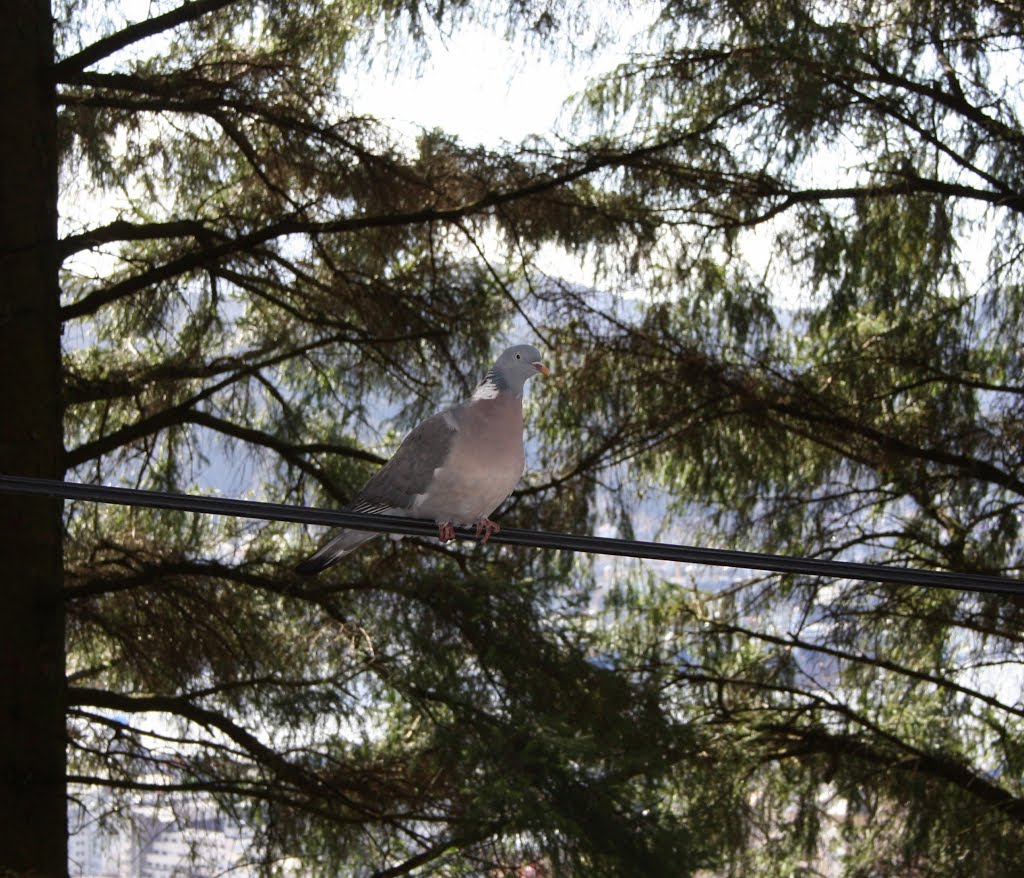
120, 230
263, 753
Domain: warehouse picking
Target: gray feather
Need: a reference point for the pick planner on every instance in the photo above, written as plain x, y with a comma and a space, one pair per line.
396, 485
393, 489
344, 543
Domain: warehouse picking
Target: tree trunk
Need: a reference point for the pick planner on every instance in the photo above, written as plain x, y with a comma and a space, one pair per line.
33, 823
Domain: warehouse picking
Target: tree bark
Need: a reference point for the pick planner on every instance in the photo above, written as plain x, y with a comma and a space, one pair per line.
33, 822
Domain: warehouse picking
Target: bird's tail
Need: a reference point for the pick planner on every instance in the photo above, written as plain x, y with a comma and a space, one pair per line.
346, 542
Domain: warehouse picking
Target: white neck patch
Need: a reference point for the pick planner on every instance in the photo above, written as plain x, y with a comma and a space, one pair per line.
487, 389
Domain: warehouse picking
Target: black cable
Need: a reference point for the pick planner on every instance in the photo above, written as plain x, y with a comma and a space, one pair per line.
976, 582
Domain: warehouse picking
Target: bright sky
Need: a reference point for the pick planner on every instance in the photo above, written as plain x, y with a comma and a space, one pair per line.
488, 89
483, 87
474, 85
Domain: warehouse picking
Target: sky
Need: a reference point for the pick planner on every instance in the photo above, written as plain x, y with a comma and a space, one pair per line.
475, 84
488, 88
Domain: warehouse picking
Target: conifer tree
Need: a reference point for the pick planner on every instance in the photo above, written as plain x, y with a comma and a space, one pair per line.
820, 205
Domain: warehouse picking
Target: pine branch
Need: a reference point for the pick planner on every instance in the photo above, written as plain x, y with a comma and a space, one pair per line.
185, 412
82, 696
793, 642
815, 740
293, 224
189, 11
183, 415
877, 746
151, 574
436, 850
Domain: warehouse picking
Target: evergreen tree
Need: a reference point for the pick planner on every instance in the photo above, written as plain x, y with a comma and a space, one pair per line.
273, 271
861, 162
278, 273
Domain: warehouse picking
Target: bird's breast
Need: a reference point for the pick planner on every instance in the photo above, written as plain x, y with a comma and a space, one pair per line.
484, 465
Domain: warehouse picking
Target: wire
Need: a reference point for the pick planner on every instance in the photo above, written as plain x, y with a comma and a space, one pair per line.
974, 582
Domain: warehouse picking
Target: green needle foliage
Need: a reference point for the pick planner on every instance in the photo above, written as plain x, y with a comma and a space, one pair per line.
819, 203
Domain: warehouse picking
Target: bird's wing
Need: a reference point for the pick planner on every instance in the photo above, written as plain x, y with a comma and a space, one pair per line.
395, 487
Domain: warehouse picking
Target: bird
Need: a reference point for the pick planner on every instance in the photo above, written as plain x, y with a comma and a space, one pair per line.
456, 467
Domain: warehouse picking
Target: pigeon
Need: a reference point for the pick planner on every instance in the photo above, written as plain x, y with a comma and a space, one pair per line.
456, 467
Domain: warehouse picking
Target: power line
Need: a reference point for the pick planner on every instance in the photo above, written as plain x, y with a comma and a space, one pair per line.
975, 582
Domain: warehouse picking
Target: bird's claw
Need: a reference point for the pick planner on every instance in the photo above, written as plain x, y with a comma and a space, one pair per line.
486, 529
483, 530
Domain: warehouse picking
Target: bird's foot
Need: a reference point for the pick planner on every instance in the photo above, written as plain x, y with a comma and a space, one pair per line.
445, 532
486, 529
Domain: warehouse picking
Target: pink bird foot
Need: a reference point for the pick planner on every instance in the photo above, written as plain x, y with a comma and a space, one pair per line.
445, 532
486, 528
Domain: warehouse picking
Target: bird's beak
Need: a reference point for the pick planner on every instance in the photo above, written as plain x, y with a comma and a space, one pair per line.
540, 367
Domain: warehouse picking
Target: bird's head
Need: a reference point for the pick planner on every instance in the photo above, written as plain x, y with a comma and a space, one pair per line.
515, 366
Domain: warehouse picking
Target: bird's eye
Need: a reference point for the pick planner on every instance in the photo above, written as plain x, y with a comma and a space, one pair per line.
519, 356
